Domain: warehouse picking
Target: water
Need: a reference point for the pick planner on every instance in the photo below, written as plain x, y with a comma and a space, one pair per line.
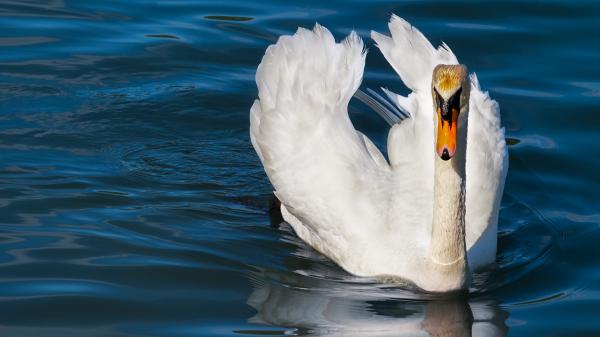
132, 204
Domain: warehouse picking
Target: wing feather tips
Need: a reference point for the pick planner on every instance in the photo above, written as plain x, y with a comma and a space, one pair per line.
411, 54
408, 51
356, 56
310, 66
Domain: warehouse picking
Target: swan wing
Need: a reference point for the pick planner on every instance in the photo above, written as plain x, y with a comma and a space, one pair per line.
487, 165
327, 175
411, 55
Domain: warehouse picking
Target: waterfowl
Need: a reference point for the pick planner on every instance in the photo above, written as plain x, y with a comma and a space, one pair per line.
428, 213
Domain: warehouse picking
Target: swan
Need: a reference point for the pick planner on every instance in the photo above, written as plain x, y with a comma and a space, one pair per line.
427, 215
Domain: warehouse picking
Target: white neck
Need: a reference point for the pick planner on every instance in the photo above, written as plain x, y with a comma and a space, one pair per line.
447, 253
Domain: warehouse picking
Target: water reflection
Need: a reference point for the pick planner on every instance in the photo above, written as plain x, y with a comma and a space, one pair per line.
325, 308
313, 296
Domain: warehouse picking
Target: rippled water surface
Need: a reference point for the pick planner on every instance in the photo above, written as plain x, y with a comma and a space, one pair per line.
132, 203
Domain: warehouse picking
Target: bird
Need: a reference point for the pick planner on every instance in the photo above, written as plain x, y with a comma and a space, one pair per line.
425, 215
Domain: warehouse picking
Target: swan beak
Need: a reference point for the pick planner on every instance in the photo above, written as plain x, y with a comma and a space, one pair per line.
447, 117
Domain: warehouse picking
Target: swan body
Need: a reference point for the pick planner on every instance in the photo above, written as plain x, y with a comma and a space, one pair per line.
415, 217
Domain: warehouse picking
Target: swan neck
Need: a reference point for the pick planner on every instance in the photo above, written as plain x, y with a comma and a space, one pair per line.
448, 248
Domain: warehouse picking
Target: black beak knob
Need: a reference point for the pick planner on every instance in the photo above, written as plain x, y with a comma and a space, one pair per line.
445, 155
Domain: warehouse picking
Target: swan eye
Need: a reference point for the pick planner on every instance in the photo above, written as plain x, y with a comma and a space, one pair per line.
447, 107
440, 103
454, 101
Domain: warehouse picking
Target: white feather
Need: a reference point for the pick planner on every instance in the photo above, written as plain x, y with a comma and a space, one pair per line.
411, 54
487, 166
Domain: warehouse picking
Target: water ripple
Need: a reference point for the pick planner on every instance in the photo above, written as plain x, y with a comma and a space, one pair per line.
132, 203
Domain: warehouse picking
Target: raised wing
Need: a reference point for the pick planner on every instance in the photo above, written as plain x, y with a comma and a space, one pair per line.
411, 55
326, 174
487, 165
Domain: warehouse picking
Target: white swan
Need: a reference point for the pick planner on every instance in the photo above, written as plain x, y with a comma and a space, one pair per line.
423, 217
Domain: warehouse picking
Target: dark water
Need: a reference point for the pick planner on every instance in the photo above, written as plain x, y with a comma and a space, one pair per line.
132, 203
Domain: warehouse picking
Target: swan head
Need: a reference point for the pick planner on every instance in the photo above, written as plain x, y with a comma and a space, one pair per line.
450, 92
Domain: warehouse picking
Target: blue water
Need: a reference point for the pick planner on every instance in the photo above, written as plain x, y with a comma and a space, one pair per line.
132, 203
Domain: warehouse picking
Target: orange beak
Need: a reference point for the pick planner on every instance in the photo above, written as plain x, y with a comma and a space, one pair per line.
447, 124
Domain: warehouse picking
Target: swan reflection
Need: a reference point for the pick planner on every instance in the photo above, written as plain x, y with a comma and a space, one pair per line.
320, 299
327, 308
